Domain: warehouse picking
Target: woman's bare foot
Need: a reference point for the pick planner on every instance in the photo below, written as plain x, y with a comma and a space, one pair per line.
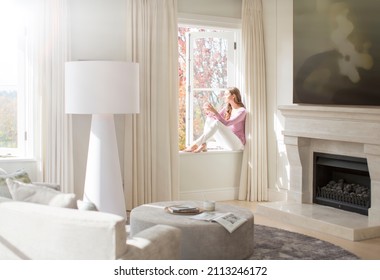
191, 149
201, 148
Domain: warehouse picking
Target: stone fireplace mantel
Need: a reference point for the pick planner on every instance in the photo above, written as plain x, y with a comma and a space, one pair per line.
348, 124
349, 131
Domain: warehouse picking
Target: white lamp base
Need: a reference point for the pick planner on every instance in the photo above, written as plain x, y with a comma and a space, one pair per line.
103, 184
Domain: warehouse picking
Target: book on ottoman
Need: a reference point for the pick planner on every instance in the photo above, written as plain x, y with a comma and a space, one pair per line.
183, 209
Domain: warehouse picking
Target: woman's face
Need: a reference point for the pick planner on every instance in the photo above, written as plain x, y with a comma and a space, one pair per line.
228, 96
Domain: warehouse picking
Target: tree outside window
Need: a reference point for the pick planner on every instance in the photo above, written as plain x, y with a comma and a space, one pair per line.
8, 119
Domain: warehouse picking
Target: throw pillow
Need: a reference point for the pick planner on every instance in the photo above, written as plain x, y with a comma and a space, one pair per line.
86, 205
40, 194
19, 175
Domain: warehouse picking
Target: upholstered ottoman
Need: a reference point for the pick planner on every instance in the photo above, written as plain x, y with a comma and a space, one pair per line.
200, 240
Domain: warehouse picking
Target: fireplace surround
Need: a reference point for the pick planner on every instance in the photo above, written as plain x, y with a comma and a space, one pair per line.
344, 131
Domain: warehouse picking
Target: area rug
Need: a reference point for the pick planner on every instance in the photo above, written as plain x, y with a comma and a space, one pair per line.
277, 244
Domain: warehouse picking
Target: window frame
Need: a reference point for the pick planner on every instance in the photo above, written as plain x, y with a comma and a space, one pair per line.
25, 120
216, 23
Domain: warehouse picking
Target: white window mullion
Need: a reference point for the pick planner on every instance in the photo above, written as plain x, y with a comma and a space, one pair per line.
21, 98
189, 91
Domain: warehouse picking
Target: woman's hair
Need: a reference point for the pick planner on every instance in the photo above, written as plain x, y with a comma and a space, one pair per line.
237, 98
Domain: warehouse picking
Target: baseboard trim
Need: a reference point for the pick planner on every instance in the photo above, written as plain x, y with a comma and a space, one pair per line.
220, 194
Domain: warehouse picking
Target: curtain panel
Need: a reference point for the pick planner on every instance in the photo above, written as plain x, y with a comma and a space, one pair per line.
254, 174
49, 46
151, 137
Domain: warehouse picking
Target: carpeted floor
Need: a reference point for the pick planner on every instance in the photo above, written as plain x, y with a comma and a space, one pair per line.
277, 244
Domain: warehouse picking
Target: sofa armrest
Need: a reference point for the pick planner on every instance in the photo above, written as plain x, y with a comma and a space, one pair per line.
35, 231
157, 242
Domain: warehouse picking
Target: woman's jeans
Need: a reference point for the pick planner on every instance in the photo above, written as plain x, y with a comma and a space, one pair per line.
223, 135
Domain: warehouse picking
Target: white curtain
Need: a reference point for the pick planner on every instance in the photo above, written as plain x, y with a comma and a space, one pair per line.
254, 175
50, 52
151, 138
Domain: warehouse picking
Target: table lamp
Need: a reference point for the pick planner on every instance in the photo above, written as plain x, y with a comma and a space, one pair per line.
102, 89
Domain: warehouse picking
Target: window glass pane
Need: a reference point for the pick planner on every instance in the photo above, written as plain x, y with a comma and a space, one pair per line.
182, 86
210, 62
8, 119
9, 78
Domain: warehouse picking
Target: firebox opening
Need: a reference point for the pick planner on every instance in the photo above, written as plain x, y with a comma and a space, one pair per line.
342, 182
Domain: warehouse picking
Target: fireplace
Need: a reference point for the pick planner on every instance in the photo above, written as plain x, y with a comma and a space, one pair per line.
345, 143
342, 182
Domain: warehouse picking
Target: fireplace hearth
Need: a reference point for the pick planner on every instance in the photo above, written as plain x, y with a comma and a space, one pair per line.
342, 182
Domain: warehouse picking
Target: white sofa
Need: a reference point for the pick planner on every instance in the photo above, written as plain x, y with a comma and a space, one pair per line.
35, 231
40, 231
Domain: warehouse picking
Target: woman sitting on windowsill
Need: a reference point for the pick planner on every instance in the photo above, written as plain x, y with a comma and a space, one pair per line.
227, 126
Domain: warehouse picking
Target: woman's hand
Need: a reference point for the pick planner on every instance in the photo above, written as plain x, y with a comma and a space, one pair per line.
209, 108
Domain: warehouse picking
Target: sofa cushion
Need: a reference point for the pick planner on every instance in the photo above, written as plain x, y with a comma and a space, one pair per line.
40, 194
19, 175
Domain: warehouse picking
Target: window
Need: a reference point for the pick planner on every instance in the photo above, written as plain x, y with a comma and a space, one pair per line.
207, 67
13, 95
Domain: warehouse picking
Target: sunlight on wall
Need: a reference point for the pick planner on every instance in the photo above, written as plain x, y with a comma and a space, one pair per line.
282, 160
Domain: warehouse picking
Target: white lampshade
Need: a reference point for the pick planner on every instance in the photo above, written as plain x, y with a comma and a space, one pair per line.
101, 87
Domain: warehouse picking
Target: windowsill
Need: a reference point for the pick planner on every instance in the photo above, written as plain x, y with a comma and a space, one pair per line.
16, 159
221, 152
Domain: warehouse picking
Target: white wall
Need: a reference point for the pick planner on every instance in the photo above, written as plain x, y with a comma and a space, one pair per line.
98, 29
216, 8
209, 176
